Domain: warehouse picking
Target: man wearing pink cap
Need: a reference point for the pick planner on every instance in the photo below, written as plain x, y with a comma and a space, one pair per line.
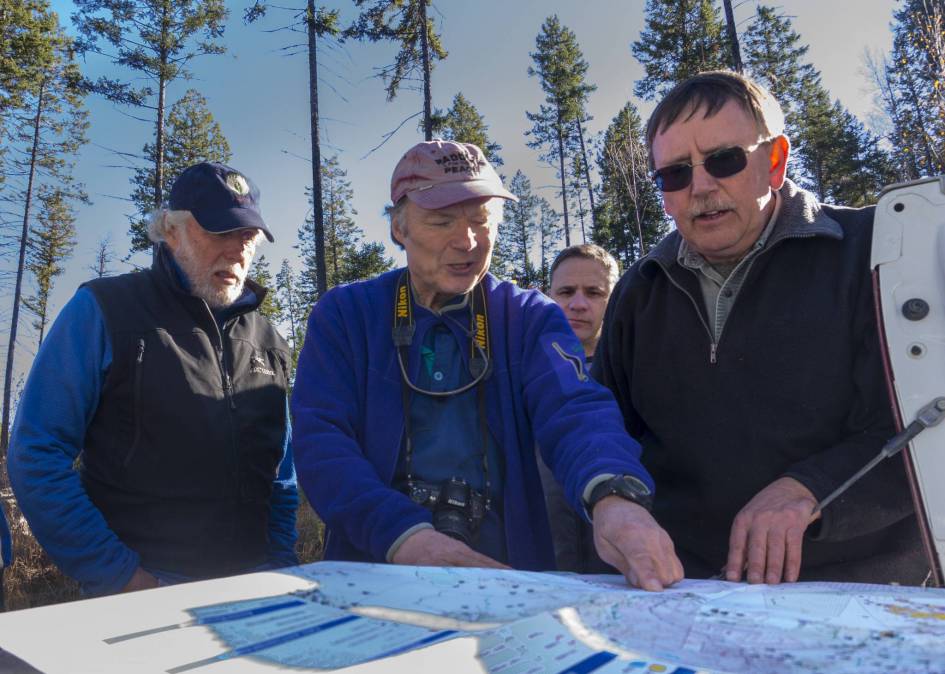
421, 394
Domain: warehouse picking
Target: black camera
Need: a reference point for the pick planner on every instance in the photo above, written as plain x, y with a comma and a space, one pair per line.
457, 508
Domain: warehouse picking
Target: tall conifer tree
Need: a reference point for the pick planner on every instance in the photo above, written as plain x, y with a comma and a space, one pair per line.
44, 133
681, 38
561, 71
630, 216
408, 23
320, 26
193, 136
463, 123
520, 228
52, 241
156, 40
836, 157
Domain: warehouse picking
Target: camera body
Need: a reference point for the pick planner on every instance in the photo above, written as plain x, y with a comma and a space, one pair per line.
457, 508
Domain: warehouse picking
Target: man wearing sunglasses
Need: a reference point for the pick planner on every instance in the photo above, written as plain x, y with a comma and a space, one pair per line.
743, 351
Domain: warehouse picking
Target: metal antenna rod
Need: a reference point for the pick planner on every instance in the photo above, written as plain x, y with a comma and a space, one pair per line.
930, 415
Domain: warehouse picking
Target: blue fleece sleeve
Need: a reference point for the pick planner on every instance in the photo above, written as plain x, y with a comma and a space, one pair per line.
341, 483
283, 505
58, 403
576, 421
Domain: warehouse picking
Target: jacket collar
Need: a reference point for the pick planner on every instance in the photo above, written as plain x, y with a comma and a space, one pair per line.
800, 217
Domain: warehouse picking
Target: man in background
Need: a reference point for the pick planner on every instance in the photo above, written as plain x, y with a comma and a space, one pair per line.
582, 278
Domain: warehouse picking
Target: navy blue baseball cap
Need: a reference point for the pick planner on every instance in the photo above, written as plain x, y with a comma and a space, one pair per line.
220, 198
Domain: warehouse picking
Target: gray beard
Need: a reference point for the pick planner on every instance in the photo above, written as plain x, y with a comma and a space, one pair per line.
201, 280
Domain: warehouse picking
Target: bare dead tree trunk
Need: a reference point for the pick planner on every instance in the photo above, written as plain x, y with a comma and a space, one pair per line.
587, 177
564, 189
733, 37
427, 98
21, 264
321, 277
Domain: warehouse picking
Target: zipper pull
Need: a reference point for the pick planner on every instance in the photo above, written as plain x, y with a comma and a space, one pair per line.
228, 387
712, 348
140, 358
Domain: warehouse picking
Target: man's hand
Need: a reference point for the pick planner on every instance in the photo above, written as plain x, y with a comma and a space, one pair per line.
141, 580
429, 547
768, 533
628, 538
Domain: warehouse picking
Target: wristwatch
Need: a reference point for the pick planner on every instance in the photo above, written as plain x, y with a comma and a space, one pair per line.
626, 487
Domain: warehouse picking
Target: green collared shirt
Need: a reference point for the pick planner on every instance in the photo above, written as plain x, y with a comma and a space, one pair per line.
721, 283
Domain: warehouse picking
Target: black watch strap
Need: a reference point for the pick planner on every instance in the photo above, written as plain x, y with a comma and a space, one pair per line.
626, 487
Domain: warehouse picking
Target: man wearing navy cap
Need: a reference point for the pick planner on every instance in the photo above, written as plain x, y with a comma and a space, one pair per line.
171, 388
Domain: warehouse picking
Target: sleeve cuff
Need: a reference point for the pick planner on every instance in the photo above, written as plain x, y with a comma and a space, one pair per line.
395, 546
586, 494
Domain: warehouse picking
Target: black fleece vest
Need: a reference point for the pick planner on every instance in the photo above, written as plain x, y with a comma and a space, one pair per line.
188, 434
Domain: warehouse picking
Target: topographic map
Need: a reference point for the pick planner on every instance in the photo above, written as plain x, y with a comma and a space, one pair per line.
532, 622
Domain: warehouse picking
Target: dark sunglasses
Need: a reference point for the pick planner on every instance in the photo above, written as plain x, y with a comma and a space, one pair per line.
720, 164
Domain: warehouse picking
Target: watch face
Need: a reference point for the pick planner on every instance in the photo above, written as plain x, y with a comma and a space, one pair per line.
633, 485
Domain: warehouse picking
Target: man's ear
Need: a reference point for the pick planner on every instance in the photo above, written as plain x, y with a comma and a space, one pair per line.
777, 170
172, 235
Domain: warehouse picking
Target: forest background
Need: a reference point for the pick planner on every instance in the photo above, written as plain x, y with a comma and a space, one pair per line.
103, 102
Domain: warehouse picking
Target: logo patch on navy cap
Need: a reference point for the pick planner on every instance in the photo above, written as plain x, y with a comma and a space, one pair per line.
237, 184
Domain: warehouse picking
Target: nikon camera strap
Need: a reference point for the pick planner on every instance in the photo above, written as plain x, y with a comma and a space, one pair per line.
480, 363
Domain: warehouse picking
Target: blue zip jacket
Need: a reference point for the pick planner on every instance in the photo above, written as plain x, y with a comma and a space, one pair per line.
349, 422
58, 403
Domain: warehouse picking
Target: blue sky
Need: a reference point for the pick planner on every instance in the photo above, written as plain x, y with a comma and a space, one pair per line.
260, 98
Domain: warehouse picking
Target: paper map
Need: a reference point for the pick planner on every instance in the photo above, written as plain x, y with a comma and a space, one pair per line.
537, 622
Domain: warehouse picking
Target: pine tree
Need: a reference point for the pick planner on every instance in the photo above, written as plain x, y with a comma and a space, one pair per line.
25, 56
520, 228
630, 217
463, 123
156, 40
561, 70
193, 136
549, 235
836, 157
347, 257
321, 25
51, 243
407, 23
270, 307
295, 309
44, 133
681, 39
911, 84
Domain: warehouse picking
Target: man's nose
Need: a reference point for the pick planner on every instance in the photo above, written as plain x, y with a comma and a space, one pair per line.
240, 247
578, 302
464, 237
702, 180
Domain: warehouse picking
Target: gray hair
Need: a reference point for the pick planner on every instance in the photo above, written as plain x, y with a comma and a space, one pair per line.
161, 221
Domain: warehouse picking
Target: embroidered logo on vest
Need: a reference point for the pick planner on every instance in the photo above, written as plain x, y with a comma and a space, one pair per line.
258, 366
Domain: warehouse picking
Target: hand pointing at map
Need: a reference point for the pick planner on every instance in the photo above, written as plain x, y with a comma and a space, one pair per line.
629, 539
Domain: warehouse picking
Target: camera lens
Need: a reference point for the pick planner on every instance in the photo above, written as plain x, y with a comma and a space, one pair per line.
452, 523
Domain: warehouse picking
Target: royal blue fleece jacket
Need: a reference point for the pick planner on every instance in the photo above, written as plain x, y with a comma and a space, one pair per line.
58, 403
349, 422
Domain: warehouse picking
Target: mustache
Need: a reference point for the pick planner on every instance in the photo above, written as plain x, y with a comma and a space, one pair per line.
707, 205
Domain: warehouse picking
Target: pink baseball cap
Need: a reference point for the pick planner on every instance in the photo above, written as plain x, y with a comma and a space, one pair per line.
440, 173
